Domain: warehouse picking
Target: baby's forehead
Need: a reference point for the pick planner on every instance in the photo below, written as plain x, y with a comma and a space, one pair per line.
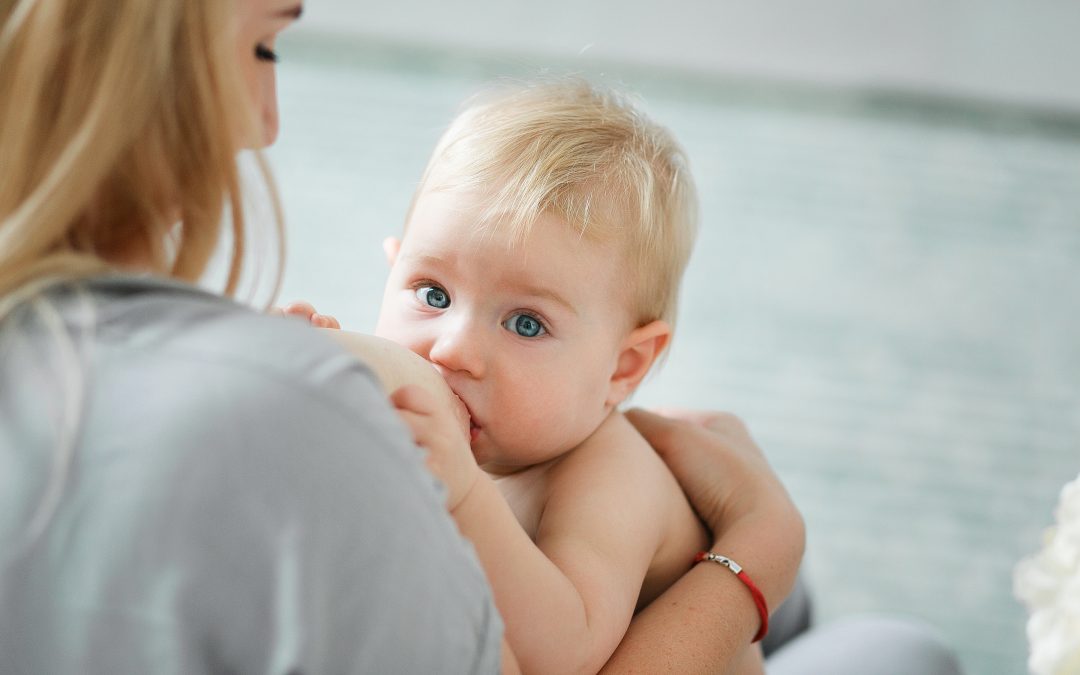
530, 254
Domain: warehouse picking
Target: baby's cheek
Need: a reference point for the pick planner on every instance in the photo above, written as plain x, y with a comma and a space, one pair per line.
551, 426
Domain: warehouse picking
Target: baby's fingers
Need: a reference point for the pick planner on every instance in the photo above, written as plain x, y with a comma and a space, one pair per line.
425, 434
324, 321
306, 311
413, 398
303, 310
419, 426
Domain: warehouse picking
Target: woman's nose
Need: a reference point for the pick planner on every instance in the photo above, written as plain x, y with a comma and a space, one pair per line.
458, 348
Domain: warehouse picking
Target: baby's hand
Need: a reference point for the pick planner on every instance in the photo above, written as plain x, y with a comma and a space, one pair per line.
306, 311
437, 429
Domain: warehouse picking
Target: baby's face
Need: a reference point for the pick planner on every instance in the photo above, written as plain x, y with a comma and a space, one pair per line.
528, 335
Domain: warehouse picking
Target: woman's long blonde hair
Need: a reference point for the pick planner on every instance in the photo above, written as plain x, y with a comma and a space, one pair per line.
120, 123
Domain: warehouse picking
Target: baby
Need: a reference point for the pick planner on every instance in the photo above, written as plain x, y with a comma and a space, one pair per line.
538, 272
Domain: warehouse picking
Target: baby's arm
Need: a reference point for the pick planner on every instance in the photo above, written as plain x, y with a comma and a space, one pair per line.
568, 598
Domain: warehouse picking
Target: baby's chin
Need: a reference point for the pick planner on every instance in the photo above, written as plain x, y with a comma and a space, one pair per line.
487, 456
498, 460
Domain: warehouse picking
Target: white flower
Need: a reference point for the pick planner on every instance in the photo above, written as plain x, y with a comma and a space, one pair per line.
1049, 584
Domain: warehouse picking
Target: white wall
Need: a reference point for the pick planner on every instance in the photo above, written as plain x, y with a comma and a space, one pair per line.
1024, 51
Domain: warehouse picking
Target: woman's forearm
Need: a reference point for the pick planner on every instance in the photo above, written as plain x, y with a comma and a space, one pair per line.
704, 623
699, 625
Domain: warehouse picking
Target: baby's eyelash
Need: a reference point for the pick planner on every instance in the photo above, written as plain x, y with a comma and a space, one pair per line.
423, 283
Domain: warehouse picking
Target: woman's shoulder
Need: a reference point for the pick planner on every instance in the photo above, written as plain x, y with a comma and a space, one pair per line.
135, 318
172, 346
190, 376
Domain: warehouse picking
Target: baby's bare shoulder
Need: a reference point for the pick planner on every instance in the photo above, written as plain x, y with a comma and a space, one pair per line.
614, 460
614, 484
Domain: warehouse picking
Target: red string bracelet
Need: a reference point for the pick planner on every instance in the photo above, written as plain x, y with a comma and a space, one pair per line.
759, 599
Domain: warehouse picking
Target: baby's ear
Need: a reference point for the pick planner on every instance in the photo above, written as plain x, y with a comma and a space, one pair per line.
639, 351
390, 247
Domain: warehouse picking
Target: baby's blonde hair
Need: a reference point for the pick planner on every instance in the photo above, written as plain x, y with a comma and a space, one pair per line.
589, 156
119, 119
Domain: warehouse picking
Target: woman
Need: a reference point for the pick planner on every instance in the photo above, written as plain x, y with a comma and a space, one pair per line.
183, 484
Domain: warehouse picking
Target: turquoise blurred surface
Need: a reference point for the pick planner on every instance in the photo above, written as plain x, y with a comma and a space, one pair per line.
885, 287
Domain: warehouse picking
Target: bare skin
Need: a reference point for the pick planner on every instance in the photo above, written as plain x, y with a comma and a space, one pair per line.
704, 622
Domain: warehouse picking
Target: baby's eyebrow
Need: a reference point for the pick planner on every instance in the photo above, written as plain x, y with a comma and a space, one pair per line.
546, 294
440, 263
426, 260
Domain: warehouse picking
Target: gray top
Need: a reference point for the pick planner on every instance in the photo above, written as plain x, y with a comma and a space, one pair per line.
241, 498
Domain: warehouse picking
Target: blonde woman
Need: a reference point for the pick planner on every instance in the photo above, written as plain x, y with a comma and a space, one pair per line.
187, 485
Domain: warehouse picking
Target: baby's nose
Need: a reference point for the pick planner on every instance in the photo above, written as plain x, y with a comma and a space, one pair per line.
459, 350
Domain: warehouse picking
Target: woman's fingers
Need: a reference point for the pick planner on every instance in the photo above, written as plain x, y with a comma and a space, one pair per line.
713, 457
732, 487
654, 427
718, 421
697, 457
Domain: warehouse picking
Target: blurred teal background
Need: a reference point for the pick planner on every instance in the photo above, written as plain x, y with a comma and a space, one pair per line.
885, 287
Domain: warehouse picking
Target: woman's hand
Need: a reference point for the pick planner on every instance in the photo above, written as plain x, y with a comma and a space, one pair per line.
718, 464
705, 621
730, 484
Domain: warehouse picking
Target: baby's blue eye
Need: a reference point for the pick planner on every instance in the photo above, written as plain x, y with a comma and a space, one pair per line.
524, 325
433, 296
